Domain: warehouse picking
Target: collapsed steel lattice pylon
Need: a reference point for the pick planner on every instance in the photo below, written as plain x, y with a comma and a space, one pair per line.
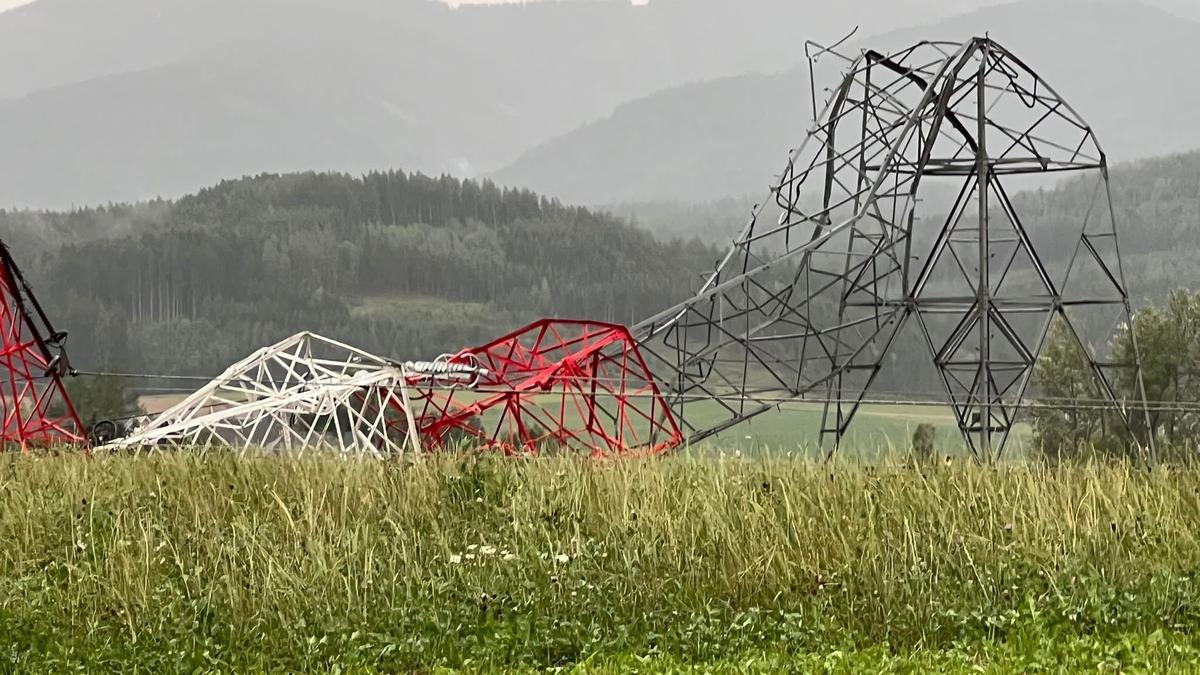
304, 393
813, 300
554, 384
37, 412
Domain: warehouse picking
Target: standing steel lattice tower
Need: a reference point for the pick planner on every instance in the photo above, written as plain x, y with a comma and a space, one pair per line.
900, 212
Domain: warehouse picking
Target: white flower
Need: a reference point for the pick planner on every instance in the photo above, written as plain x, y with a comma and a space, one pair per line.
509, 556
80, 546
562, 558
488, 550
470, 556
455, 559
472, 547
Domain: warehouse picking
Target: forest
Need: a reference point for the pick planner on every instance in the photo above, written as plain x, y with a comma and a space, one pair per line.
410, 266
404, 265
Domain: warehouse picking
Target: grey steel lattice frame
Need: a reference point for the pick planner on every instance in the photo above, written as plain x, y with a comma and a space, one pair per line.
812, 302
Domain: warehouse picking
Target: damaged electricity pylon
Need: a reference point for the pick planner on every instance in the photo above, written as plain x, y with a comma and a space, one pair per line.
37, 413
817, 288
306, 392
553, 385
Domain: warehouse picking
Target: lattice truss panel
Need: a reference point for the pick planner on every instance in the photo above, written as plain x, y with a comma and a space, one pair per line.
553, 385
816, 289
37, 412
304, 393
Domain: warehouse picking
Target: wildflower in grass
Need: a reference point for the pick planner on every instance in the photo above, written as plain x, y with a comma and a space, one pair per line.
455, 559
508, 556
487, 550
562, 558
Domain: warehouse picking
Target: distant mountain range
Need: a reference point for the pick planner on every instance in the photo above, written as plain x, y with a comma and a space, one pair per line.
1125, 66
130, 99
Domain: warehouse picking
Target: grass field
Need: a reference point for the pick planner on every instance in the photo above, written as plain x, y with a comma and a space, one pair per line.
878, 431
175, 563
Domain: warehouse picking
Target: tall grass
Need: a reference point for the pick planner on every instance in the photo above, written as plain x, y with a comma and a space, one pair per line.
174, 562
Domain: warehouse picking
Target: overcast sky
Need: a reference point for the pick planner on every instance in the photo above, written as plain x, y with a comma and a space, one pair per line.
9, 4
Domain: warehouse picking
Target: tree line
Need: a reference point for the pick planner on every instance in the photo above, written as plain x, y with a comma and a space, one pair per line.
411, 266
403, 264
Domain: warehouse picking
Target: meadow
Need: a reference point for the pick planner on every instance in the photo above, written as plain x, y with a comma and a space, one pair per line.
879, 431
209, 563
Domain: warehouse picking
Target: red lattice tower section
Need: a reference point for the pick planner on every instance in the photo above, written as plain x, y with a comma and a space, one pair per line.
37, 413
555, 384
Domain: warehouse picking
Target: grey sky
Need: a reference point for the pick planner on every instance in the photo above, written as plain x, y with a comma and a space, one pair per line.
9, 4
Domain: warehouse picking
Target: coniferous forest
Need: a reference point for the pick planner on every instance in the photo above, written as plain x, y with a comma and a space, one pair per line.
410, 266
404, 265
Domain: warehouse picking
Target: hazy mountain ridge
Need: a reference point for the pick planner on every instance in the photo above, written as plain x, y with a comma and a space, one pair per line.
1120, 63
129, 99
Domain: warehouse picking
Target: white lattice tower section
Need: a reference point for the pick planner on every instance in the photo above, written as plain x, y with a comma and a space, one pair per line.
305, 393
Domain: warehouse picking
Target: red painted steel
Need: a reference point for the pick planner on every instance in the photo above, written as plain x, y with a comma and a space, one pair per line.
37, 412
555, 384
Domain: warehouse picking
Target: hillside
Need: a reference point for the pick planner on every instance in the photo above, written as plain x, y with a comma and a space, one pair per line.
409, 266
131, 99
1122, 64
404, 265
1157, 202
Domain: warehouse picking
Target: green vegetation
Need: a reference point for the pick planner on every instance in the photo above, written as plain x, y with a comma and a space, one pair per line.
1070, 421
190, 562
400, 264
880, 432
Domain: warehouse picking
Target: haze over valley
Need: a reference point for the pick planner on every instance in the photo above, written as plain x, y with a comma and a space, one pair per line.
134, 99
